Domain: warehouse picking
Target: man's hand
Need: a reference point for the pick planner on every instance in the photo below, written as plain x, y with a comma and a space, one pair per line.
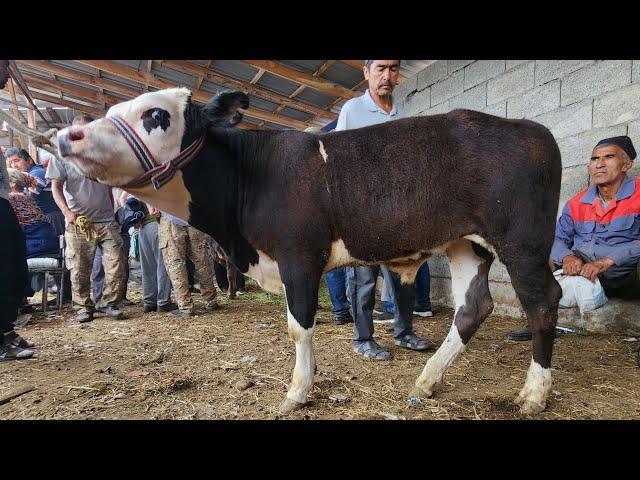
572, 265
70, 216
154, 211
591, 270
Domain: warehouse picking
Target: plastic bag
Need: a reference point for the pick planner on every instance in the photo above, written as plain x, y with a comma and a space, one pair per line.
580, 292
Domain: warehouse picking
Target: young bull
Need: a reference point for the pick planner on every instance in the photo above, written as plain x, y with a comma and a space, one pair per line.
287, 206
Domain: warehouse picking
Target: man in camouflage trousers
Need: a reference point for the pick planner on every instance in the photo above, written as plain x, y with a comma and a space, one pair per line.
178, 241
81, 199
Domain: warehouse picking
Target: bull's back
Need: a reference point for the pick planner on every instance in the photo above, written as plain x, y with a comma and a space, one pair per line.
419, 182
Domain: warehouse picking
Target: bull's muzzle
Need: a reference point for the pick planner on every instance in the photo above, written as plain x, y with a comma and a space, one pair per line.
66, 139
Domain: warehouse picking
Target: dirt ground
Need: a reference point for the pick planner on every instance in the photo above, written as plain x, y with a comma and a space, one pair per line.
153, 366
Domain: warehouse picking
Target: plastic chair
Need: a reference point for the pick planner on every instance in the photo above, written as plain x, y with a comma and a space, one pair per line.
50, 266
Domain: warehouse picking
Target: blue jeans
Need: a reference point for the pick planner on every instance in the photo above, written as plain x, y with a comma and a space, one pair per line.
336, 281
423, 288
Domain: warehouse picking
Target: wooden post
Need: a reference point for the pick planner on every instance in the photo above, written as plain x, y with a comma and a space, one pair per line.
31, 122
16, 113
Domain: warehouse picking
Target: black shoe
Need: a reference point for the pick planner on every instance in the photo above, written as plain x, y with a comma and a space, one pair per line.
193, 289
343, 320
11, 352
125, 302
380, 308
15, 340
150, 308
520, 335
422, 312
385, 317
413, 342
113, 312
169, 307
179, 313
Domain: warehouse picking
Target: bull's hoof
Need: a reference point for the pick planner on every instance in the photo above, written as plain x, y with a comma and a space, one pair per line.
288, 406
418, 393
527, 407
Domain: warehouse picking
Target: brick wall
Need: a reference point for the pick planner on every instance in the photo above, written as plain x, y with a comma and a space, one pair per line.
580, 101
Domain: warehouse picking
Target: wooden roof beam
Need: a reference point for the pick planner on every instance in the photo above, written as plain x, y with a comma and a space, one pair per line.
97, 112
319, 84
225, 81
85, 78
80, 92
197, 95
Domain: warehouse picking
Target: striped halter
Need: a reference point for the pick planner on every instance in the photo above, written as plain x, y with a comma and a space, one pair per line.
155, 173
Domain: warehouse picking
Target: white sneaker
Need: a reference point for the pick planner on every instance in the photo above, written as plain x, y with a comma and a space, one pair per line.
423, 312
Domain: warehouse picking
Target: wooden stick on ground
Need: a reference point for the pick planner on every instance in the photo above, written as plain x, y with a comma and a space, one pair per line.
16, 392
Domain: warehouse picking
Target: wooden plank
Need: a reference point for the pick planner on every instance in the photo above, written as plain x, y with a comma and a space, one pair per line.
22, 139
197, 95
200, 78
87, 79
54, 115
96, 112
323, 68
81, 92
17, 75
31, 122
228, 82
15, 393
320, 84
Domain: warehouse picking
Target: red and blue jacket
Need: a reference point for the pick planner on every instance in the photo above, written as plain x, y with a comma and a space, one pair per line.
590, 232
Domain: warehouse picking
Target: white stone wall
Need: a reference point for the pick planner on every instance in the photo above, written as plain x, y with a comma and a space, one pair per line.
580, 101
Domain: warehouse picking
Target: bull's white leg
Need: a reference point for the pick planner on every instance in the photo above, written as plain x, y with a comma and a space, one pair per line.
533, 396
305, 367
463, 263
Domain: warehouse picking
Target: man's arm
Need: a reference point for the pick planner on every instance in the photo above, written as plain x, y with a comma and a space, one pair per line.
57, 186
561, 253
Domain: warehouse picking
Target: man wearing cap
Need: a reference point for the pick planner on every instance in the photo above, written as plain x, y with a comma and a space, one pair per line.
598, 233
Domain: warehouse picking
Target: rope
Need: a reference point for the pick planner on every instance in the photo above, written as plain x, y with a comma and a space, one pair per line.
86, 228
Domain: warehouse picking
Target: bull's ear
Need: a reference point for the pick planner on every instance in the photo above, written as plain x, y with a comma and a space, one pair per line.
222, 110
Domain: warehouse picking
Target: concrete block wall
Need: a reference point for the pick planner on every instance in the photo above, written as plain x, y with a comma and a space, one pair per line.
580, 101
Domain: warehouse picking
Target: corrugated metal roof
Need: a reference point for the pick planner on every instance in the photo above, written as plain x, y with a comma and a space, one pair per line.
277, 84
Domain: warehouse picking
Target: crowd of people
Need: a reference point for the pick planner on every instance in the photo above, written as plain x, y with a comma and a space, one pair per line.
597, 239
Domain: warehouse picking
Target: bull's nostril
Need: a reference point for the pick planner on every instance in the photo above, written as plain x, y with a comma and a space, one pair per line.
76, 135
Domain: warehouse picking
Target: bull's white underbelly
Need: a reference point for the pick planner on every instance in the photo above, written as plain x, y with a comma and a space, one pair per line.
266, 273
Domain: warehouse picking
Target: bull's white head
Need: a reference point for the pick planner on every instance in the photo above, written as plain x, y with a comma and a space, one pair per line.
160, 119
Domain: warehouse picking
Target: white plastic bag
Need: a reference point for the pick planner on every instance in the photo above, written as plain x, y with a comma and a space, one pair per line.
580, 292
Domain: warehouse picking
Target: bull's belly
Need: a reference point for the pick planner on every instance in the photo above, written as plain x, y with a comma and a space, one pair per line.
266, 273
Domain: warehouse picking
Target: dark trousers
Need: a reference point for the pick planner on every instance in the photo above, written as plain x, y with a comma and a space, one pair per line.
627, 287
221, 277
336, 281
8, 315
362, 290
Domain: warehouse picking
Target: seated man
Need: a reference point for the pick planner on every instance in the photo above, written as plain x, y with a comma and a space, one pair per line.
598, 233
41, 239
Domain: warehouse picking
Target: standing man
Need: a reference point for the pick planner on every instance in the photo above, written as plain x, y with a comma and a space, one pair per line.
376, 106
78, 196
179, 241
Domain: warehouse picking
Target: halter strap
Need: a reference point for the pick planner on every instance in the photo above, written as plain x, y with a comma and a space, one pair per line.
155, 173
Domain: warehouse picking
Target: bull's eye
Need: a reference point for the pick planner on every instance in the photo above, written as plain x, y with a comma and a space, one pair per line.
154, 118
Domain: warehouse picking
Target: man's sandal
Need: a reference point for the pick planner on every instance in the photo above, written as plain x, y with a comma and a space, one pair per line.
413, 342
370, 350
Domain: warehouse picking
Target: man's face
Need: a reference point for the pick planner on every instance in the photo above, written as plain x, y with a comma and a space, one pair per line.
18, 163
608, 165
382, 76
